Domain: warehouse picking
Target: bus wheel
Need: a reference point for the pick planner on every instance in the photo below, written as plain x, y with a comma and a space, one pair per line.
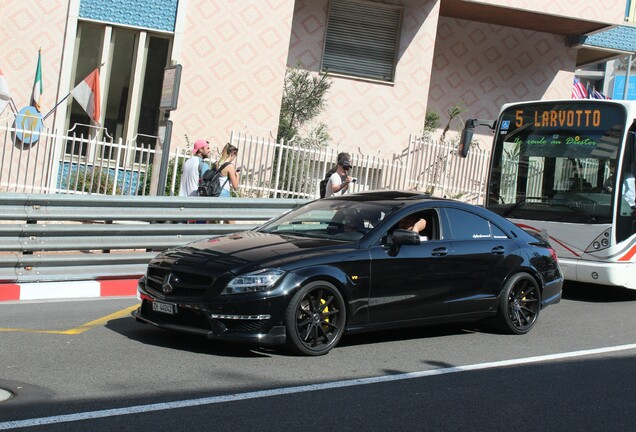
519, 304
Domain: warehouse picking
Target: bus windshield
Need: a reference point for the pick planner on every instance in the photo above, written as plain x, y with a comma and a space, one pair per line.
554, 161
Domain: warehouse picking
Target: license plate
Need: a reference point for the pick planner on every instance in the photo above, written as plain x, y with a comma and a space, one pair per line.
166, 308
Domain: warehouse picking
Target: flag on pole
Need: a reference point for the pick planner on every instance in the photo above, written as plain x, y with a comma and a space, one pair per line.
5, 94
86, 93
36, 94
598, 95
578, 90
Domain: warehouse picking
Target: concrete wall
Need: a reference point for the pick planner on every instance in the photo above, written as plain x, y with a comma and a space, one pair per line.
26, 27
234, 55
484, 66
612, 11
368, 116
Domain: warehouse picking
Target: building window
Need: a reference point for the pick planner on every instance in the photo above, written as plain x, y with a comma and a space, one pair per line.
362, 39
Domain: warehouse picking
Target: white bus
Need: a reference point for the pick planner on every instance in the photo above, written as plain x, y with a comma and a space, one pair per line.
565, 169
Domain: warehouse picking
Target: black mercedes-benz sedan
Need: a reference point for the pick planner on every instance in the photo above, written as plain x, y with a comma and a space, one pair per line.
349, 264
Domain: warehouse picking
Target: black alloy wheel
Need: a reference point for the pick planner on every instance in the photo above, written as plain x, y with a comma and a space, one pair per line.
315, 319
519, 304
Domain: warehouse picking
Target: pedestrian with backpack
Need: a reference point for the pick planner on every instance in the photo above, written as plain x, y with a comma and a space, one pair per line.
323, 182
339, 181
194, 168
228, 173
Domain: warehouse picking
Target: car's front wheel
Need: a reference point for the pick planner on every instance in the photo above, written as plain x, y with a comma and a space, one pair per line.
519, 304
315, 319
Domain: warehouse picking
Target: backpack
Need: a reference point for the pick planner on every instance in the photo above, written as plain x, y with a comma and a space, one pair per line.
323, 183
323, 186
209, 184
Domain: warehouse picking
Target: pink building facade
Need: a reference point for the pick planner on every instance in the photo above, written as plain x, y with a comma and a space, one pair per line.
234, 54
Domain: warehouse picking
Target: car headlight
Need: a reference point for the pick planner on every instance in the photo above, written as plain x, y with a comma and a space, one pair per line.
260, 280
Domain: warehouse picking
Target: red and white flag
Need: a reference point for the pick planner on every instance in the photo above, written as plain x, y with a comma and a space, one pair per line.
86, 93
5, 94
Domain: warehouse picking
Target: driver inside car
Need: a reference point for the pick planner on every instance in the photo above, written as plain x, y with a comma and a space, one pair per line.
414, 223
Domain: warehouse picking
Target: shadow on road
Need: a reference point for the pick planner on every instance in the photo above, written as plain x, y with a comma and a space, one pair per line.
405, 334
150, 335
597, 293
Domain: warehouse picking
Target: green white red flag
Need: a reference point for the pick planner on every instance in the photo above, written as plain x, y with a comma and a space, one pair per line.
36, 94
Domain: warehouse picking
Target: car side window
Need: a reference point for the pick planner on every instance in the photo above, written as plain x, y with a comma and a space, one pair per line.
497, 233
468, 226
431, 229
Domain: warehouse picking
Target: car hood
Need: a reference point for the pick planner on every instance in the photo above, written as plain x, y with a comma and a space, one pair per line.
243, 251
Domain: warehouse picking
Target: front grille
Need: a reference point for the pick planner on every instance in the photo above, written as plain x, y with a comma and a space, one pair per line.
243, 326
185, 285
197, 318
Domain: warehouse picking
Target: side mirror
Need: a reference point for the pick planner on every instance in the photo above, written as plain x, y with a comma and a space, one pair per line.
401, 237
405, 237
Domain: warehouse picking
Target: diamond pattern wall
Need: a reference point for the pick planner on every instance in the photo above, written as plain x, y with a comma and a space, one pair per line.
589, 10
234, 57
27, 27
509, 65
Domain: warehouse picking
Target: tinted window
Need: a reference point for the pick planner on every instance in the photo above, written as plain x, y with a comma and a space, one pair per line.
497, 233
466, 225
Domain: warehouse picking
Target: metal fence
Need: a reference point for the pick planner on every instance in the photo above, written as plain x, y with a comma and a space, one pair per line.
91, 162
46, 237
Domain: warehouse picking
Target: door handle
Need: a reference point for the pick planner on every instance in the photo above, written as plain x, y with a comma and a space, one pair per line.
498, 250
440, 251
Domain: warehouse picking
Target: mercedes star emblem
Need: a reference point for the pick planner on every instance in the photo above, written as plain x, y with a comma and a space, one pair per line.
169, 283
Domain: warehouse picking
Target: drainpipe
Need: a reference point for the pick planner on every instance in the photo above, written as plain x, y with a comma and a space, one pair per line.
629, 69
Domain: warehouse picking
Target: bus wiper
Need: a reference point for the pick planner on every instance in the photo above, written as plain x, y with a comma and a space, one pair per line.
514, 206
578, 211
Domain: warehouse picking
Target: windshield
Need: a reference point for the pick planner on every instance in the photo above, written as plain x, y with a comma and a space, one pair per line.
553, 161
335, 219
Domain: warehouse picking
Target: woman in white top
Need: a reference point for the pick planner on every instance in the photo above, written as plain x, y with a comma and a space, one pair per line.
229, 175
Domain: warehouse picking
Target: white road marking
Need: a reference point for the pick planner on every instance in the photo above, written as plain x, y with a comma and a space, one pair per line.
139, 409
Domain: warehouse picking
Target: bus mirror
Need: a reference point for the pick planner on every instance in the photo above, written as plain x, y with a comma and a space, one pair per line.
466, 139
467, 134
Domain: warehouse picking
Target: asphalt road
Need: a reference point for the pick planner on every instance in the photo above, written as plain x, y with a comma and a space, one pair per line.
88, 366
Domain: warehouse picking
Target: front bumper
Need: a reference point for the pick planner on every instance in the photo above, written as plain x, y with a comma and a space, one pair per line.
252, 319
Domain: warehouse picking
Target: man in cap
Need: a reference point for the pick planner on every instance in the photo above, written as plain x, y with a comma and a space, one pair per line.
194, 168
339, 181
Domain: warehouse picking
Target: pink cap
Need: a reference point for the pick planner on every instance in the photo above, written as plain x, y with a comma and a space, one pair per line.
198, 144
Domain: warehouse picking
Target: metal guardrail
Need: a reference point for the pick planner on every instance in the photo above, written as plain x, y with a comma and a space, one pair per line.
74, 237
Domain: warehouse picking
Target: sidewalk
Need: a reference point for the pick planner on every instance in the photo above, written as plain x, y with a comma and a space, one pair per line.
68, 290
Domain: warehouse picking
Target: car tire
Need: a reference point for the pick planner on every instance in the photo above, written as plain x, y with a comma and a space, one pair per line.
519, 304
315, 319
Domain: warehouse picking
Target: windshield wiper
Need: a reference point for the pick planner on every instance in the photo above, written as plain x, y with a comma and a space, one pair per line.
578, 211
514, 206
293, 233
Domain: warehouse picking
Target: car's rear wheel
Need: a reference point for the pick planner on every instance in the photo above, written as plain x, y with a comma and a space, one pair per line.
315, 319
519, 304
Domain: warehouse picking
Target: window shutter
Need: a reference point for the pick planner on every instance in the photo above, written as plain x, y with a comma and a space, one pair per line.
362, 39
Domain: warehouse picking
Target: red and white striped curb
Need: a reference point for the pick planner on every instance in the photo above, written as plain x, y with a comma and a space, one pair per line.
68, 290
